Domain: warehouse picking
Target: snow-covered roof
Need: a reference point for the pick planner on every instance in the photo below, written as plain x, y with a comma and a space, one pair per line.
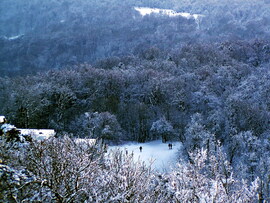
169, 12
38, 134
2, 119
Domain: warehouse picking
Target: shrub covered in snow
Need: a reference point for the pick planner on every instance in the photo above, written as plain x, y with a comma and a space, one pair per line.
162, 128
14, 184
64, 171
11, 133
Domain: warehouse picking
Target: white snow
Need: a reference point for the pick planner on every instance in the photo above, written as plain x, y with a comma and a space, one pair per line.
2, 119
85, 140
38, 134
14, 37
164, 158
169, 12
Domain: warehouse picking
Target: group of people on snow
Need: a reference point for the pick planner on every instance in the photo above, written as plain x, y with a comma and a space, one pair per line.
169, 145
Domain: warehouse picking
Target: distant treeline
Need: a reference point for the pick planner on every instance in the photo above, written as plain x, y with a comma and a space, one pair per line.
37, 36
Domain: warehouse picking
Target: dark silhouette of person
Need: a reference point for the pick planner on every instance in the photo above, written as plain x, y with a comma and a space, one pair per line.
140, 148
170, 146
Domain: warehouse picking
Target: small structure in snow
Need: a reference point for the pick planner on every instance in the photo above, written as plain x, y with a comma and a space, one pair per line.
38, 134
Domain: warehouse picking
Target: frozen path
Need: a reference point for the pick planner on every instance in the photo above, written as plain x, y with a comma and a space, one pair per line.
163, 157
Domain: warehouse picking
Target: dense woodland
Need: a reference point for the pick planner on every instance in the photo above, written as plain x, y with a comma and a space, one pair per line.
37, 36
97, 69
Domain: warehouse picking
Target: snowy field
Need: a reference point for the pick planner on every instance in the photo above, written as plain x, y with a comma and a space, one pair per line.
163, 158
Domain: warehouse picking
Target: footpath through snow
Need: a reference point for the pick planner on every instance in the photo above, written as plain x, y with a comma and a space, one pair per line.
163, 158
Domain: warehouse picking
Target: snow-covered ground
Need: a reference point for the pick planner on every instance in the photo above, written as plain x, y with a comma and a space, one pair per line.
38, 134
168, 12
12, 37
163, 158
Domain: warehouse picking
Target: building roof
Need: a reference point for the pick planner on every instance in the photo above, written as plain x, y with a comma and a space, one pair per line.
38, 134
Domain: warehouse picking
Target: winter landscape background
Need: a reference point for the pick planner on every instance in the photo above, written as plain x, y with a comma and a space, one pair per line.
193, 73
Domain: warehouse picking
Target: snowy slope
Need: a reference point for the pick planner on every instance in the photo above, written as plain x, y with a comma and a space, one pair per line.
168, 12
164, 158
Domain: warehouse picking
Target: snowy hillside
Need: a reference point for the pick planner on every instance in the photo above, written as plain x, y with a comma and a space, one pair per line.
109, 81
168, 12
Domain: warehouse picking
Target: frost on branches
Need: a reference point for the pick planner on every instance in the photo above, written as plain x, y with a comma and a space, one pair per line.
61, 170
210, 179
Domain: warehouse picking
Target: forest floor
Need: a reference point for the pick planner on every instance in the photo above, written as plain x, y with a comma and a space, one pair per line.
162, 158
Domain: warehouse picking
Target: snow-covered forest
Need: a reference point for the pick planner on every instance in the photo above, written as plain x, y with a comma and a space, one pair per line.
191, 72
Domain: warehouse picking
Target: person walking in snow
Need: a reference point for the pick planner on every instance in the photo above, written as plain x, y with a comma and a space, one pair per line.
140, 148
170, 146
